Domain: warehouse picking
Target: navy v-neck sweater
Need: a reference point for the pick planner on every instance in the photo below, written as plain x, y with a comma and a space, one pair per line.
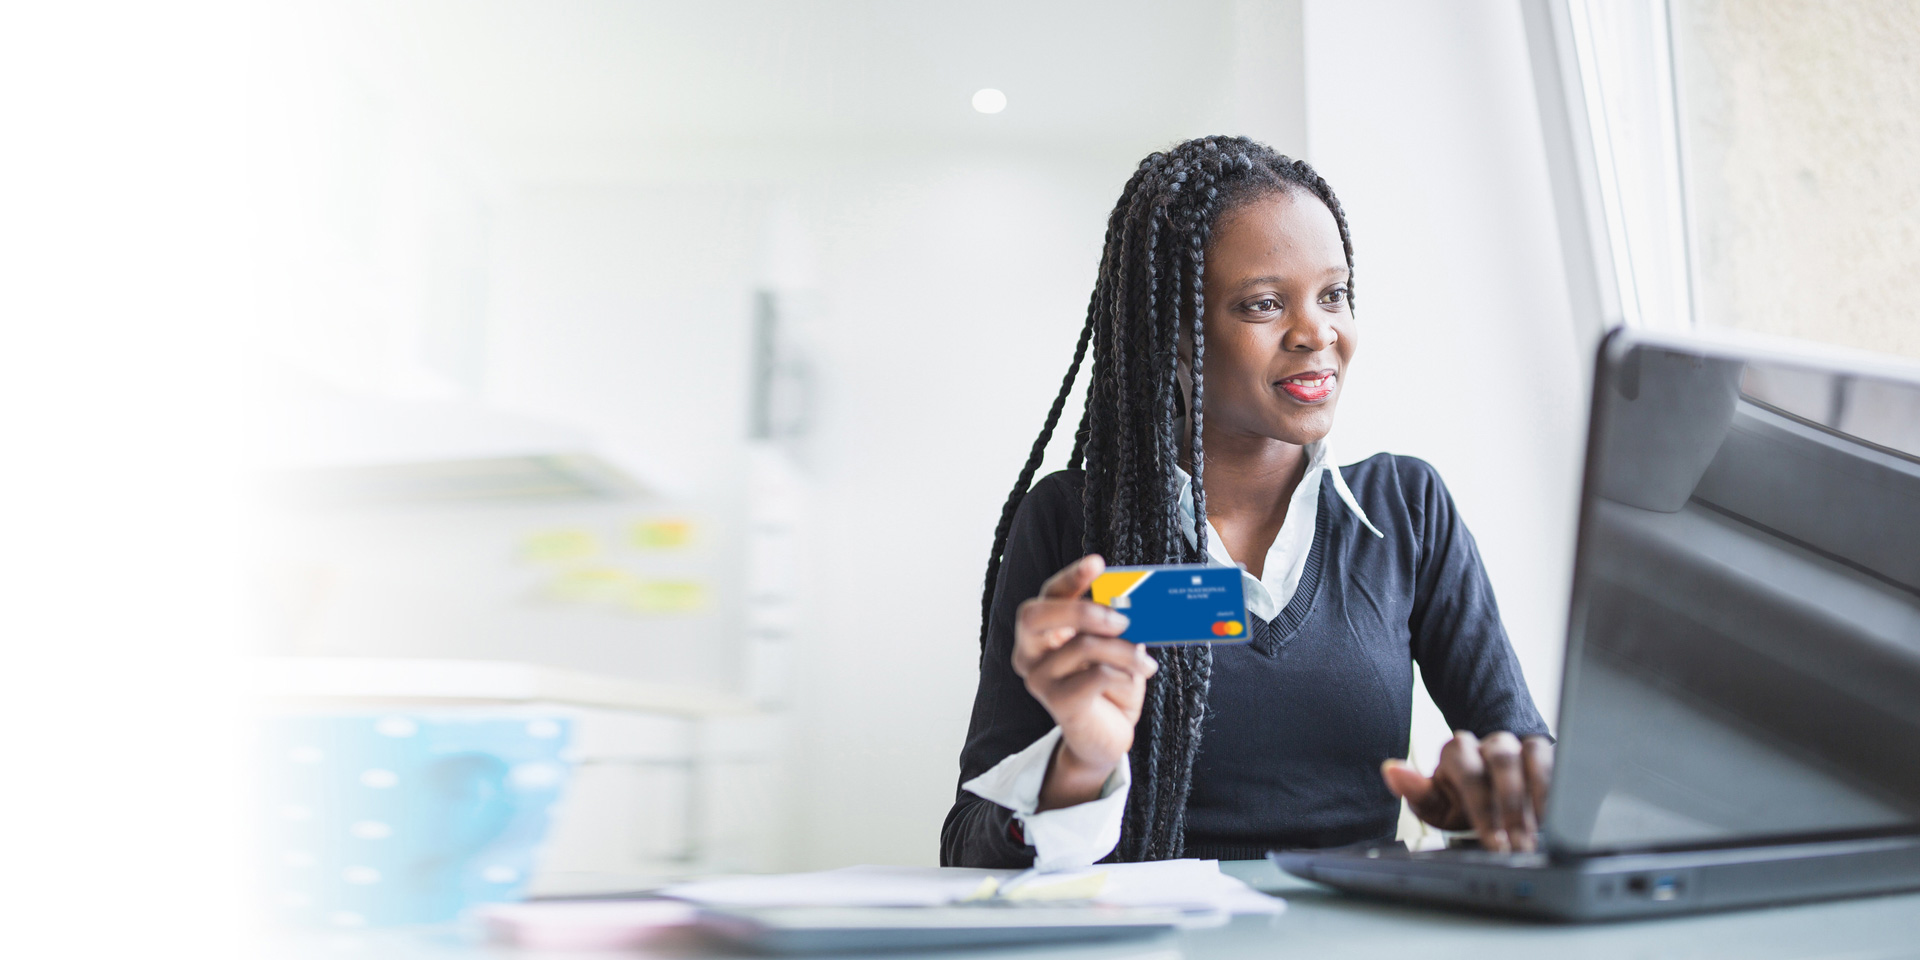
1299, 718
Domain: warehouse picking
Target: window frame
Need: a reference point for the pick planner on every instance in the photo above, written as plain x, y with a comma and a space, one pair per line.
1607, 92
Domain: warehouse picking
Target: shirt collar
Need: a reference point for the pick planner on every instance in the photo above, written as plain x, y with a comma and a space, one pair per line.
1319, 458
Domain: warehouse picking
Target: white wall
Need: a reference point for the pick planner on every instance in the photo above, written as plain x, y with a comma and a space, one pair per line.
1422, 117
955, 293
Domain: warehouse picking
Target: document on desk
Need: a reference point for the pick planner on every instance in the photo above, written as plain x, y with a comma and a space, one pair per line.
1195, 886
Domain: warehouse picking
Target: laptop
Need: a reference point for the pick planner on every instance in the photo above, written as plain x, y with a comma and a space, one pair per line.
1740, 713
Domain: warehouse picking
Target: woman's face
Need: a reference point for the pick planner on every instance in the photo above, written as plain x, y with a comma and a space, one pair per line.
1279, 332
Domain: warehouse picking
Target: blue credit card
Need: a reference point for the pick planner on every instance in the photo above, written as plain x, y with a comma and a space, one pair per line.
1180, 603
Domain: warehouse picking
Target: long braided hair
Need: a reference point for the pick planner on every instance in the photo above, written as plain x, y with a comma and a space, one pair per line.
1146, 300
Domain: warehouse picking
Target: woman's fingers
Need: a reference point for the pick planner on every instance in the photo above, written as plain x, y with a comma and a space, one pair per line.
1073, 579
1464, 771
1511, 809
1427, 801
1084, 616
1084, 651
1115, 687
1497, 786
1059, 612
1536, 756
1043, 626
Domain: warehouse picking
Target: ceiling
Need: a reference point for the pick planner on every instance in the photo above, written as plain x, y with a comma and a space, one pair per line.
521, 79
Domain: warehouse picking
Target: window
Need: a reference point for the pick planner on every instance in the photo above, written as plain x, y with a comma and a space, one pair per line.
1800, 121
1737, 163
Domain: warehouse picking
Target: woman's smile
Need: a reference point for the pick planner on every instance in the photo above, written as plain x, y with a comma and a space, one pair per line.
1311, 387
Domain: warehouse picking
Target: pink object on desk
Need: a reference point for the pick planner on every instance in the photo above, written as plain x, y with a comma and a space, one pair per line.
585, 924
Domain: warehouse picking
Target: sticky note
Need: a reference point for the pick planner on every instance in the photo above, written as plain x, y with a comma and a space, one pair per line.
1182, 603
662, 533
560, 546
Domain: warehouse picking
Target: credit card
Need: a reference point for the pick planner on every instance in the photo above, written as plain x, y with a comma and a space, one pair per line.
1179, 603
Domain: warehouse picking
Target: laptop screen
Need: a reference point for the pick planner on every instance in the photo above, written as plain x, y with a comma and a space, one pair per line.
1744, 656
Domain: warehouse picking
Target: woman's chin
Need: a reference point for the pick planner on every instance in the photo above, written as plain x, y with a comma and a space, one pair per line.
1304, 426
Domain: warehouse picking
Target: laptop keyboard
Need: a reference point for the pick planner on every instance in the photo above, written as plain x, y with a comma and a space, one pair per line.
1487, 857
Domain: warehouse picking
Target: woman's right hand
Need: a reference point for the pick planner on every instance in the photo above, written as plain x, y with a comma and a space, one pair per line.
1067, 649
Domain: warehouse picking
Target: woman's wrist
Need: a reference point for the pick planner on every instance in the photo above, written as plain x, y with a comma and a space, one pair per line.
1071, 780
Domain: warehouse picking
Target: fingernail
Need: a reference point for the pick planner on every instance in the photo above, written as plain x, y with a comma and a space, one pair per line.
1118, 621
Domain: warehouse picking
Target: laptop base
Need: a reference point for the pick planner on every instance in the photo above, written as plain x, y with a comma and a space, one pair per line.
1616, 886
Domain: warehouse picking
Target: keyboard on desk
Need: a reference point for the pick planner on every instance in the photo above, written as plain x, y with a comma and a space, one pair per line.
1463, 853
1477, 855
1611, 886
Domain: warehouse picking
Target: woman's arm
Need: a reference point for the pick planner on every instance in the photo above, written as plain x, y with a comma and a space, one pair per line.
1052, 671
1006, 720
1493, 775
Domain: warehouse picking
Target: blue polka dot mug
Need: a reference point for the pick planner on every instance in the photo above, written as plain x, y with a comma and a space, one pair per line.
378, 819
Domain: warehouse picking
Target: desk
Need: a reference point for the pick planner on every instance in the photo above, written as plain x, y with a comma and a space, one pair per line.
1321, 923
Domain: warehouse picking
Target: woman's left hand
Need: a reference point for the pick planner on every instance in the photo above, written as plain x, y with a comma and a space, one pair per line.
1497, 787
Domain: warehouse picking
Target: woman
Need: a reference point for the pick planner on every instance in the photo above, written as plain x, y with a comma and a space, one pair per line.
1221, 328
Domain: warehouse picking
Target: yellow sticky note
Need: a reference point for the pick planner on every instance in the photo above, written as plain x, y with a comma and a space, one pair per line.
560, 546
591, 585
665, 596
670, 533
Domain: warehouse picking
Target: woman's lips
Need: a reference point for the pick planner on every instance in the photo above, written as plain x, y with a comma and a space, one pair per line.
1309, 388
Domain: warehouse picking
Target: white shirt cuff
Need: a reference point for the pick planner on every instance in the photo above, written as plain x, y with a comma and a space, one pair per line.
1064, 838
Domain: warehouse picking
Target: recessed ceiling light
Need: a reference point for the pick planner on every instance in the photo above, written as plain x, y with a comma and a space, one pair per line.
989, 100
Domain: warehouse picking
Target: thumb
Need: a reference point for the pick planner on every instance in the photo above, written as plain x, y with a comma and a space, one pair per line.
1405, 782
1074, 579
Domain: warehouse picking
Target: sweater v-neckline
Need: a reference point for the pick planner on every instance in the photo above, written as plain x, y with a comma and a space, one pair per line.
1268, 636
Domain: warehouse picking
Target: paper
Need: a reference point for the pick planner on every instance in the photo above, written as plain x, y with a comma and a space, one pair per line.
846, 887
584, 924
1191, 885
1074, 886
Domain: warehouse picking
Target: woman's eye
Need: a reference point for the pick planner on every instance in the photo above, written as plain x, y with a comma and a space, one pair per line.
1264, 305
1336, 295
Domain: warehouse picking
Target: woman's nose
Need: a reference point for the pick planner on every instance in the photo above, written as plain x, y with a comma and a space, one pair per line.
1309, 331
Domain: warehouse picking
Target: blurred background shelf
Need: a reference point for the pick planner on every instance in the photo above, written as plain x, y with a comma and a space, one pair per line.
666, 781
429, 680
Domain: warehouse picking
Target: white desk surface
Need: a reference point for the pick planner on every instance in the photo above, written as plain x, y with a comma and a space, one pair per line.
1321, 923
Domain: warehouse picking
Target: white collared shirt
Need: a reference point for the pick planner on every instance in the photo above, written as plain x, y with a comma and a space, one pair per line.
1077, 836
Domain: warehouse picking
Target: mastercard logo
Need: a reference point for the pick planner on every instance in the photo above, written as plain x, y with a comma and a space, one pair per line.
1228, 628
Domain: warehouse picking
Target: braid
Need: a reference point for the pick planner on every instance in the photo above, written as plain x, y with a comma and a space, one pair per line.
1196, 253
1147, 300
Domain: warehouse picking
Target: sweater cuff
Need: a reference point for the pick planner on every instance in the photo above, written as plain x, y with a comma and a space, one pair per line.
1064, 838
